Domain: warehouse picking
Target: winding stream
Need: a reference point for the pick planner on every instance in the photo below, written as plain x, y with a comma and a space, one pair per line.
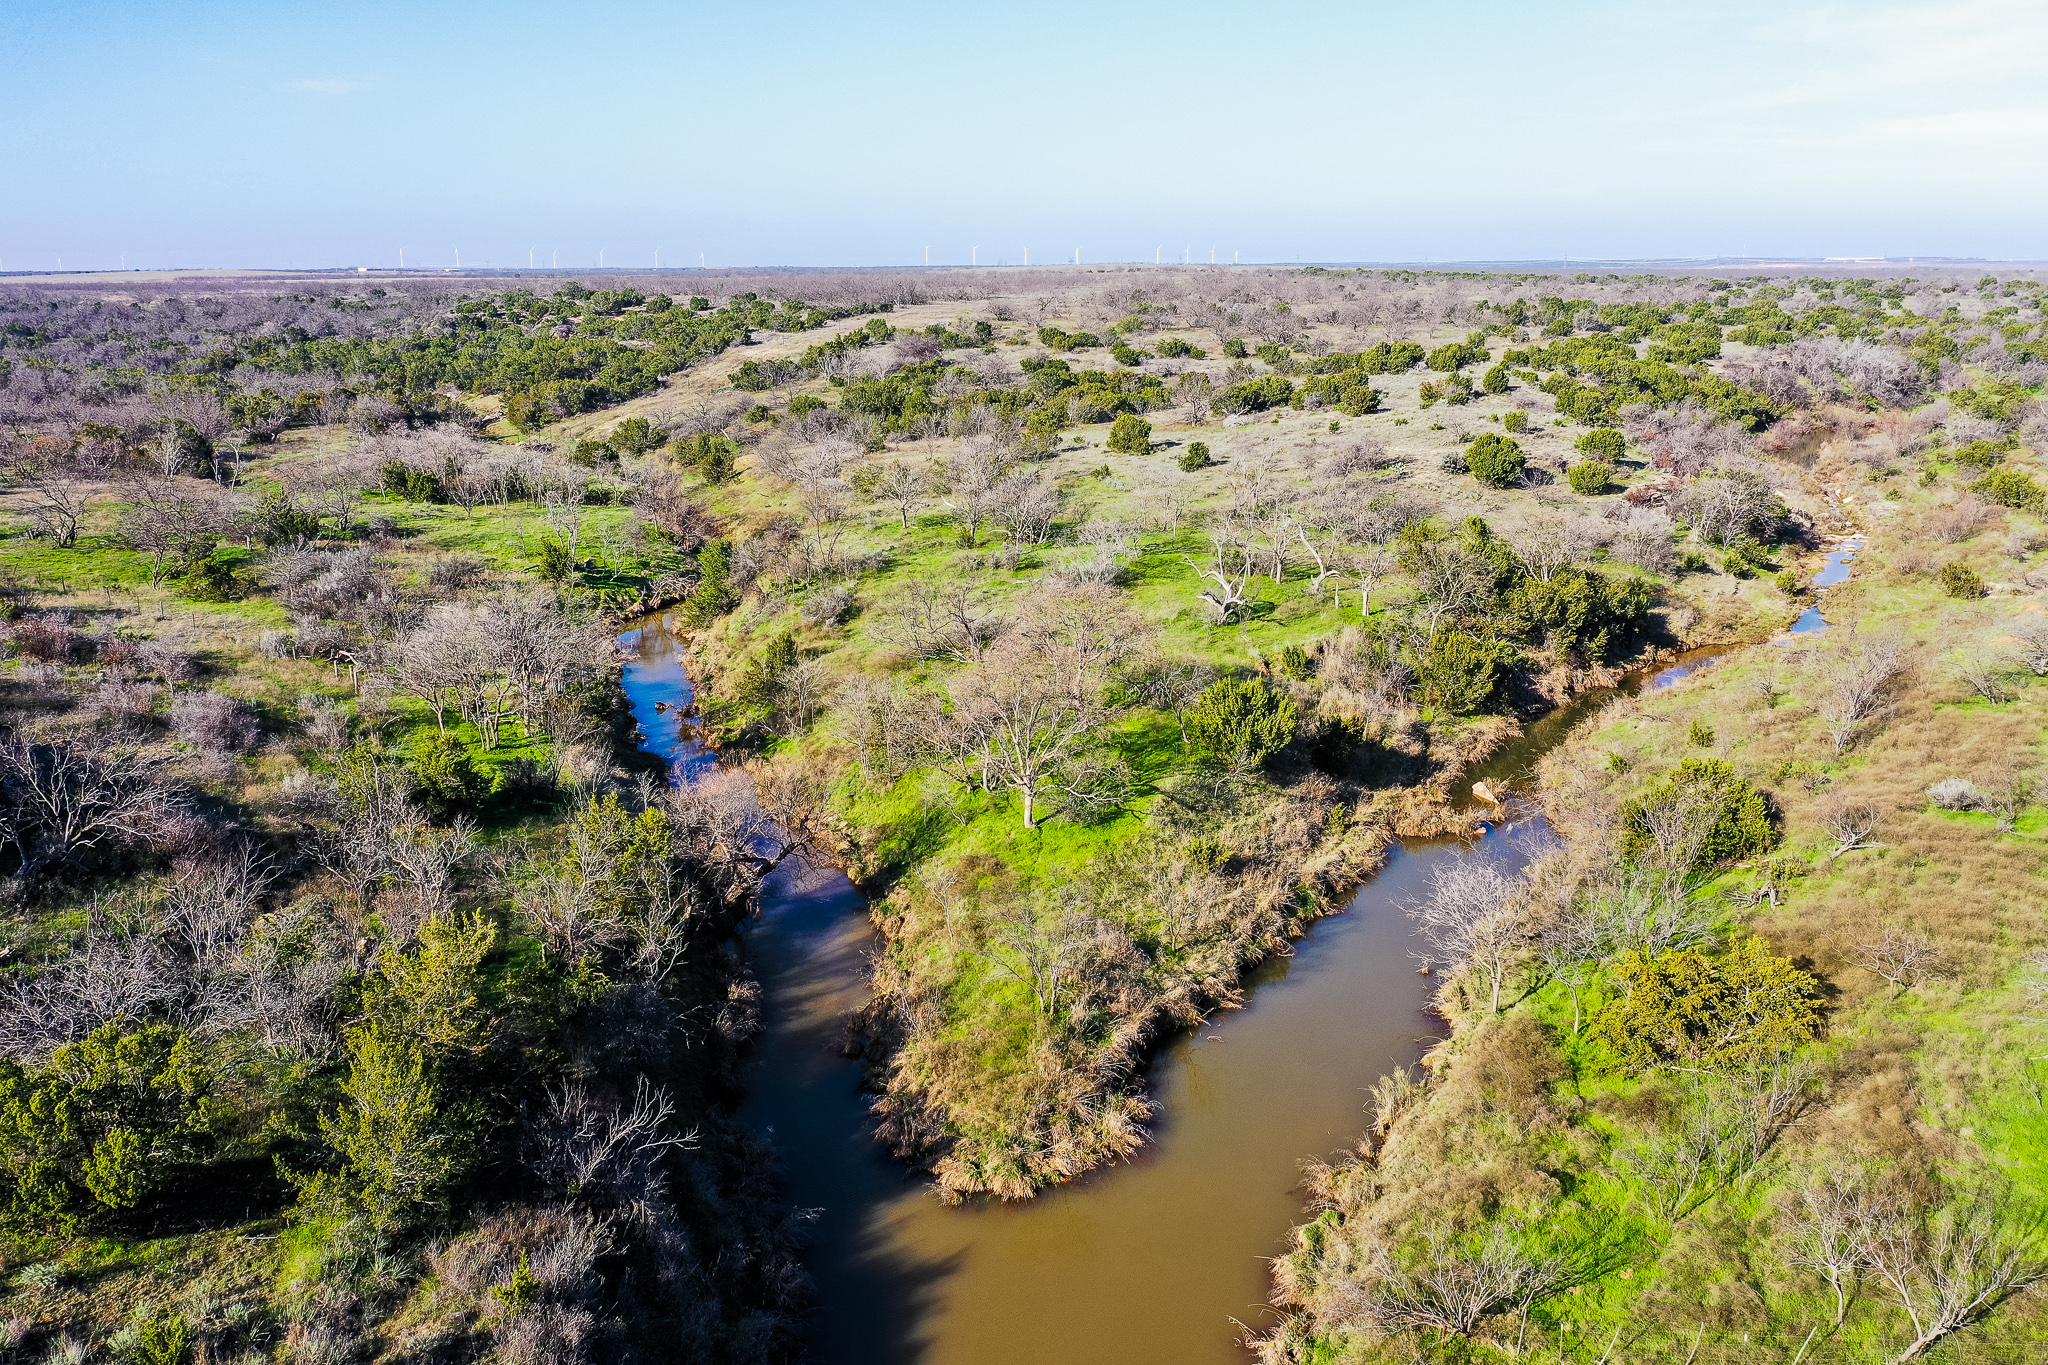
1146, 1263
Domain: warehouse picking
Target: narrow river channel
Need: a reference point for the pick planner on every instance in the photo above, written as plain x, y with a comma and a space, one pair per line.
1154, 1262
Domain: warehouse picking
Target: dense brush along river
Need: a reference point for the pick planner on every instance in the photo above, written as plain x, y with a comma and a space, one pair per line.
1158, 1261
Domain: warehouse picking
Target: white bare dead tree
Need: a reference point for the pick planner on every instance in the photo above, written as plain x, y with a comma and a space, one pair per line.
1948, 1266
1474, 919
1855, 683
1899, 956
1849, 822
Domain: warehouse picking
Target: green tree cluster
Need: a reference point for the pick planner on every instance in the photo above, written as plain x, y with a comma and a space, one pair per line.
1747, 1008
1495, 460
104, 1127
1238, 724
1735, 818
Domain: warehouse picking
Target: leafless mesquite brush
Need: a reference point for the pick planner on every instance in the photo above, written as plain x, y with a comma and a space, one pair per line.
1855, 680
1948, 1266
63, 799
1445, 1285
1986, 672
1474, 918
1849, 823
1899, 956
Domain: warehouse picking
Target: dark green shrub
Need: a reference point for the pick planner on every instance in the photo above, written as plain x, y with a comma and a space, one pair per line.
102, 1127
1454, 389
713, 457
1458, 673
553, 562
1960, 580
1589, 477
401, 480
1234, 349
748, 377
445, 776
1454, 356
1348, 391
1495, 460
1744, 555
1514, 421
1601, 443
637, 435
1128, 356
1746, 1009
1256, 395
1178, 348
528, 411
2009, 488
1130, 434
1239, 724
590, 454
714, 594
1196, 456
213, 579
1495, 380
1293, 662
1979, 454
804, 404
280, 521
1742, 819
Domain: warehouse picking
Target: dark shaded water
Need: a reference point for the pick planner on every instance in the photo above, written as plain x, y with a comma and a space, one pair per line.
1146, 1263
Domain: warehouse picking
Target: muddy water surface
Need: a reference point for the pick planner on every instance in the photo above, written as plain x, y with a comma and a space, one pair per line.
1155, 1262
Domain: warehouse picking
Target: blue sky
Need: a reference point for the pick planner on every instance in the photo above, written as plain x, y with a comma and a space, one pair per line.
209, 133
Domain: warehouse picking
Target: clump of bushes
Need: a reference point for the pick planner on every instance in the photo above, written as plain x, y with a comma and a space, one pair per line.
1240, 724
1590, 477
1961, 581
1196, 456
1729, 816
1130, 434
1682, 1006
2010, 488
1601, 443
1495, 460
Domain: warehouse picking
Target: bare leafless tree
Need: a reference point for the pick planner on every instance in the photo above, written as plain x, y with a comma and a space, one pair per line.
1855, 682
1444, 1283
2030, 634
65, 799
1039, 950
905, 488
935, 622
55, 498
1986, 672
603, 1153
1474, 918
1849, 822
1948, 1266
1230, 567
1902, 957
1819, 1227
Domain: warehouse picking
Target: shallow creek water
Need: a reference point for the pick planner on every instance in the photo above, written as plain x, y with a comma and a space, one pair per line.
1152, 1262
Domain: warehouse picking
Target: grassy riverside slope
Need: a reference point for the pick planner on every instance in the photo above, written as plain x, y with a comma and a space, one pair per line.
1924, 1090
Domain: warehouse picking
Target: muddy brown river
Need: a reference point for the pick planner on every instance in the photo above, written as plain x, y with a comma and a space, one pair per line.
1158, 1261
